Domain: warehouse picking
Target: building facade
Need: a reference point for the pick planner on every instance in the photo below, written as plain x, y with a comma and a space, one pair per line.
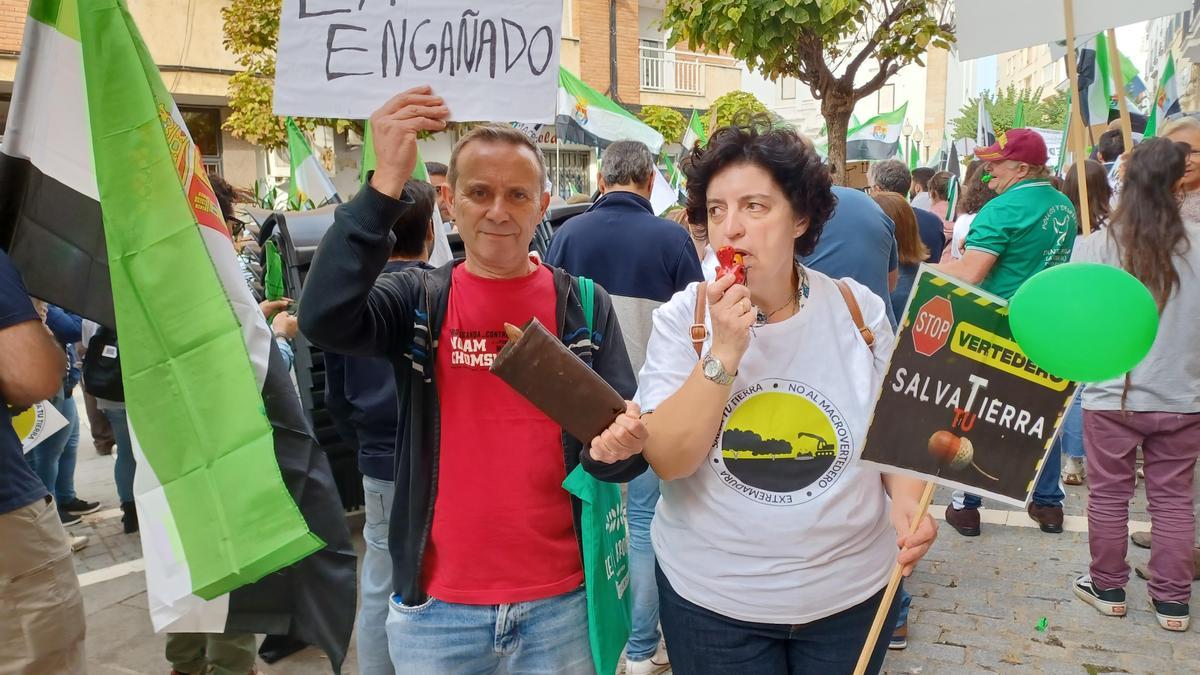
1030, 69
1177, 35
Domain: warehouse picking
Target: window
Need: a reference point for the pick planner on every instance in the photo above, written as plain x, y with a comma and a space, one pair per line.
887, 98
787, 89
204, 124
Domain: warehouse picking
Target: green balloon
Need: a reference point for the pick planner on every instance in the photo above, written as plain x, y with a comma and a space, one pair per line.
1084, 321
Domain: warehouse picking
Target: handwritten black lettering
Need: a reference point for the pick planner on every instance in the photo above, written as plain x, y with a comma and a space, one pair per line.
488, 32
509, 59
397, 50
412, 49
330, 49
549, 50
466, 50
447, 48
305, 14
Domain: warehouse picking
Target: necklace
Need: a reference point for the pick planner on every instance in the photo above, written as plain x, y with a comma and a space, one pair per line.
800, 298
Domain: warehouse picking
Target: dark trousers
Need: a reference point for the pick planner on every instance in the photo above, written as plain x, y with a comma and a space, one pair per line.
702, 642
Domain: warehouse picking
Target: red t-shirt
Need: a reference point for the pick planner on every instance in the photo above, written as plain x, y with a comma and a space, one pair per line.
503, 531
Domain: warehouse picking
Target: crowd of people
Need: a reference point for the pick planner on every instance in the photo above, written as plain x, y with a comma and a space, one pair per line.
473, 558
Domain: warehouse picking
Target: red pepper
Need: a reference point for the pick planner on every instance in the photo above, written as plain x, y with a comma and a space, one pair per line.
730, 262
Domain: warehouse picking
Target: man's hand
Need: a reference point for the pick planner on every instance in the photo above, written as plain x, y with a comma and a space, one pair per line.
913, 546
286, 325
270, 308
623, 439
394, 129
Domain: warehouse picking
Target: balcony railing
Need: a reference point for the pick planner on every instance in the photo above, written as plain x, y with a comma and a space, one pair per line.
673, 72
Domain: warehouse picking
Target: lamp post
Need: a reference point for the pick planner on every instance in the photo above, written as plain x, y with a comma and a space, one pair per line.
917, 136
907, 130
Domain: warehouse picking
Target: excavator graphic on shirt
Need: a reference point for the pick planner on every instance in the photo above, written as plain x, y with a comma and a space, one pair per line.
740, 444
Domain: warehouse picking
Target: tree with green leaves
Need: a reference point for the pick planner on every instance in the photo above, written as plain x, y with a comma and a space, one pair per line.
731, 107
823, 43
665, 120
251, 30
1047, 113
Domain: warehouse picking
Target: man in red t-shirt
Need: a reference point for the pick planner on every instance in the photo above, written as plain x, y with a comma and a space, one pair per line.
484, 540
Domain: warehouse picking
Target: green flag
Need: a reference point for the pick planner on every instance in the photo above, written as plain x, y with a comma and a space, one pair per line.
368, 155
914, 154
1019, 116
695, 132
188, 330
310, 185
588, 117
1166, 99
273, 272
878, 137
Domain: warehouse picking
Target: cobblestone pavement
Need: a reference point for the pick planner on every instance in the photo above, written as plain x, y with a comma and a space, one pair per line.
976, 607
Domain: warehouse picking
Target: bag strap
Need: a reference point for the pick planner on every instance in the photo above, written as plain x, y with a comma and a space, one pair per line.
699, 332
867, 334
587, 297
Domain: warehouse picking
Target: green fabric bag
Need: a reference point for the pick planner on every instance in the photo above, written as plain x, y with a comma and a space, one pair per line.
605, 550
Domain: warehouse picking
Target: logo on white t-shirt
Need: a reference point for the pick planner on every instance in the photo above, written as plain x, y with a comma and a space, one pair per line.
782, 443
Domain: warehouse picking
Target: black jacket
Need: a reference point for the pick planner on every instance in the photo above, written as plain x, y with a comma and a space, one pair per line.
347, 306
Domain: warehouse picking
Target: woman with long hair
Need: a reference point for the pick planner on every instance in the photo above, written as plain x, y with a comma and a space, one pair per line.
1157, 404
1099, 193
908, 243
770, 566
975, 193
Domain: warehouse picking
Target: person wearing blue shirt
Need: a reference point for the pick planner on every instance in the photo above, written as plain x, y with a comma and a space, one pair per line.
54, 458
38, 636
641, 260
859, 242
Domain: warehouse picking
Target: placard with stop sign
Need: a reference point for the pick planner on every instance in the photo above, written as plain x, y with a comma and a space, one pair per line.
931, 327
961, 404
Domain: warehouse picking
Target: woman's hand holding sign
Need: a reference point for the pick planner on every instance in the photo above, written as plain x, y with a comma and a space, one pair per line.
394, 129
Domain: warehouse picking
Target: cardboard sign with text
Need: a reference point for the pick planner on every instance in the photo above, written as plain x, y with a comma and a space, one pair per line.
490, 61
37, 423
961, 405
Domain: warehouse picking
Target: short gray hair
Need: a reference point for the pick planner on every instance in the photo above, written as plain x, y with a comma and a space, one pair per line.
498, 133
892, 176
1185, 123
627, 163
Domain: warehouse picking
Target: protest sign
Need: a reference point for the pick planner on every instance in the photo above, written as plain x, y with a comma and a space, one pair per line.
981, 30
961, 405
39, 422
490, 61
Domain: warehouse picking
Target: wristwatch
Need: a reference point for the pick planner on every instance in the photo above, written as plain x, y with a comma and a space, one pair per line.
714, 370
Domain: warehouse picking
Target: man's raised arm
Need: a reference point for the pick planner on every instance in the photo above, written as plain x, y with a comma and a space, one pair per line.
345, 306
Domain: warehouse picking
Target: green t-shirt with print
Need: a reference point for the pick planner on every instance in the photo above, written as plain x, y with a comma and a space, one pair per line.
1029, 227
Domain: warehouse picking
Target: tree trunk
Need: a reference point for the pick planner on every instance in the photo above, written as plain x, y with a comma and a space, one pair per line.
836, 109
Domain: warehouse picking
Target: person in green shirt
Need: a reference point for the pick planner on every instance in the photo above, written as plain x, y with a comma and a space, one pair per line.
1030, 226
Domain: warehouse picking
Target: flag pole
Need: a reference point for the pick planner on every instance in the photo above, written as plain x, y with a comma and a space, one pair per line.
889, 594
1114, 60
1085, 216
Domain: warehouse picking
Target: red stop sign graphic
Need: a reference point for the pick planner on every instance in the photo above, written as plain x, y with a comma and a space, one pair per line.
932, 326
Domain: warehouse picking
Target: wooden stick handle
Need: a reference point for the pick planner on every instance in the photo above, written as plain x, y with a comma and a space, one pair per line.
1114, 66
1080, 149
889, 594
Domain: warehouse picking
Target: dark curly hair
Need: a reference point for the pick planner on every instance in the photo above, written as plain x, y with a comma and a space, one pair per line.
790, 159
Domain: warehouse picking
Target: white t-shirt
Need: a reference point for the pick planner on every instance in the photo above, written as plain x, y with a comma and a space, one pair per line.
709, 264
962, 227
778, 525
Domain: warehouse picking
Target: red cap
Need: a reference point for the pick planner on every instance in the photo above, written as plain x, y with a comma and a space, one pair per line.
1021, 145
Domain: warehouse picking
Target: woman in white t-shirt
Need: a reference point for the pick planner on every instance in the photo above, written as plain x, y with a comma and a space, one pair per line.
975, 193
774, 547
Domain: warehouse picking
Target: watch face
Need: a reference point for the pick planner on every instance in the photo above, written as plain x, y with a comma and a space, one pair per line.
712, 367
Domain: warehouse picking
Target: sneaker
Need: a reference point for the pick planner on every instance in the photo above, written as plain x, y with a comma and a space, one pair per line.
899, 637
1110, 602
78, 543
1171, 615
68, 519
81, 507
1073, 471
658, 662
964, 521
1049, 518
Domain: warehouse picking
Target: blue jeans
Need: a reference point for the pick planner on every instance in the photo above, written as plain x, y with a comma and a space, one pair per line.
905, 603
126, 465
1071, 438
643, 635
703, 642
442, 638
1047, 491
54, 458
375, 583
